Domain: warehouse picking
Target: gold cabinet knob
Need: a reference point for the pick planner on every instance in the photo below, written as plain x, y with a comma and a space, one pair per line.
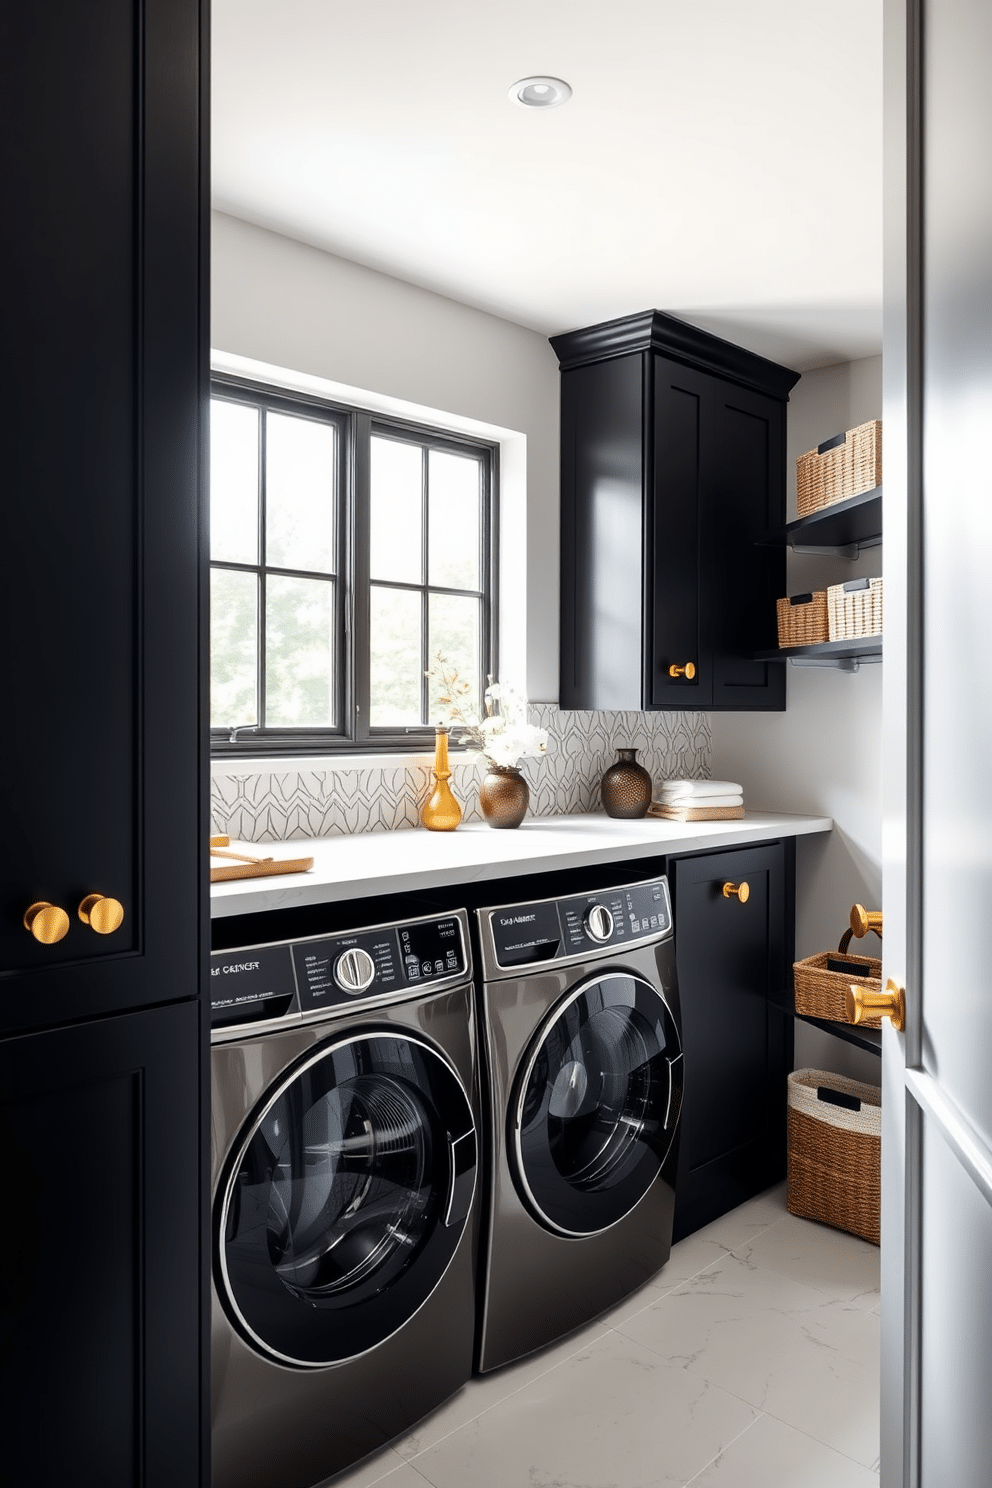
863, 920
46, 922
101, 914
741, 892
863, 1003
688, 671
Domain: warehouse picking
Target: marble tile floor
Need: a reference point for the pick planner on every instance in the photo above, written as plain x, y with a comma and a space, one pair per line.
751, 1361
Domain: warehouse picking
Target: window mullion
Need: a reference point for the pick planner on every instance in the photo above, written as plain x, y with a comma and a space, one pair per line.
361, 639
262, 439
425, 510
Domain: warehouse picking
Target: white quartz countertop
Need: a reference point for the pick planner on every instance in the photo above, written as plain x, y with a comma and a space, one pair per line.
397, 862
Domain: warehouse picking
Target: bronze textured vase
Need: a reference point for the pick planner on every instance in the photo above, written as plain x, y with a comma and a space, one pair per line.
625, 788
504, 796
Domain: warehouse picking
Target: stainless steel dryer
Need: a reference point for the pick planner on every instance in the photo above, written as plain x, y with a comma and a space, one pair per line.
580, 1026
344, 1195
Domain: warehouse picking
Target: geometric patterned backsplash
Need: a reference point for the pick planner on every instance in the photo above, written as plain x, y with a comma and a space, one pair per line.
295, 802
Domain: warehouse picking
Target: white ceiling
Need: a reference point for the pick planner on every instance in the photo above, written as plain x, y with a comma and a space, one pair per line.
719, 159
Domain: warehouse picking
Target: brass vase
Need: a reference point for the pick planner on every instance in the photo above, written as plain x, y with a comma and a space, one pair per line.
504, 796
441, 812
625, 788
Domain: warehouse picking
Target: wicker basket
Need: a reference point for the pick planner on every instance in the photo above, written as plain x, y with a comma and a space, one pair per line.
854, 609
839, 468
802, 620
822, 993
835, 1151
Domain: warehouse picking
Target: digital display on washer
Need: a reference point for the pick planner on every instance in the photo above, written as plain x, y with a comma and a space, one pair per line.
251, 984
526, 933
431, 949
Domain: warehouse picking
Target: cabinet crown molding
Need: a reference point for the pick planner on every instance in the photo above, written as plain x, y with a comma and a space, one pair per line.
653, 330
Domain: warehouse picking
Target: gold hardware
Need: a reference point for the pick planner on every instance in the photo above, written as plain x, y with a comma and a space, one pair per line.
46, 922
863, 1003
740, 892
688, 671
101, 914
863, 920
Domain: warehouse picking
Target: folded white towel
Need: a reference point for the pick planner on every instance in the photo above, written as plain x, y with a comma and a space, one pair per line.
731, 798
699, 788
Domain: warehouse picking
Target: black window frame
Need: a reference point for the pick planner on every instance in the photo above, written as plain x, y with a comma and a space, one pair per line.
357, 426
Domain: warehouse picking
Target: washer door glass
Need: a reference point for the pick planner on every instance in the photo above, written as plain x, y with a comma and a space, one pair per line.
597, 1104
346, 1199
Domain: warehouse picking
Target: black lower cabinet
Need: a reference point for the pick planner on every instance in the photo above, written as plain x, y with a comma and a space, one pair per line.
100, 1255
735, 952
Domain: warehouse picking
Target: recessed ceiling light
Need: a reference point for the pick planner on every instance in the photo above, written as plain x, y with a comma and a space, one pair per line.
540, 92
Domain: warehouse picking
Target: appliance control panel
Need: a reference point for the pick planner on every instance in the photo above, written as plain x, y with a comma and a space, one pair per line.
616, 917
260, 983
557, 930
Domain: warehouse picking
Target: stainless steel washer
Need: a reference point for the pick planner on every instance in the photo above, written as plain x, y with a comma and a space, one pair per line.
344, 1195
584, 1089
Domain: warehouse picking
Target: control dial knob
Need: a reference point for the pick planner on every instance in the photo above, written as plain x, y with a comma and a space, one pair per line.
354, 970
598, 923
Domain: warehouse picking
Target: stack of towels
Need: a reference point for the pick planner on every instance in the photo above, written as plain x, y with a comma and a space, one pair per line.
699, 800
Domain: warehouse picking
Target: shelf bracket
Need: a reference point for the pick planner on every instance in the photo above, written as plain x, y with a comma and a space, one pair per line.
841, 663
835, 550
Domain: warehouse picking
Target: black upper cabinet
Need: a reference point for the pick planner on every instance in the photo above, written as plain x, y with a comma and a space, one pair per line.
672, 466
102, 390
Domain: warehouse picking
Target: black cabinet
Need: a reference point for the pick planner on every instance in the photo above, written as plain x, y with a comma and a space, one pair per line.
734, 959
103, 1048
672, 466
100, 1285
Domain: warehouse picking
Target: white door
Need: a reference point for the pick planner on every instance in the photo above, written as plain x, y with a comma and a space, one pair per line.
937, 1076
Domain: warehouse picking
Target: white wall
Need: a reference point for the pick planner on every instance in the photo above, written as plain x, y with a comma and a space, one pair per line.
278, 301
824, 753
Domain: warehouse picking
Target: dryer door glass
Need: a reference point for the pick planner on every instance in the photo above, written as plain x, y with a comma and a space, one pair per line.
347, 1198
597, 1104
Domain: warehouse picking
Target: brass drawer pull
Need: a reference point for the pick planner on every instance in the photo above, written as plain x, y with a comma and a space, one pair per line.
46, 922
741, 892
891, 1004
688, 671
101, 914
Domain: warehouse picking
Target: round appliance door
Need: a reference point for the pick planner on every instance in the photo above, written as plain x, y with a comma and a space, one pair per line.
597, 1104
346, 1198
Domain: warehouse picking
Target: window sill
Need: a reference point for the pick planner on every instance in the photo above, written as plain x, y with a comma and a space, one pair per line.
228, 765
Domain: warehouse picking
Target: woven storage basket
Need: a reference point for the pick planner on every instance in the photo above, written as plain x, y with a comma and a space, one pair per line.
854, 609
803, 620
835, 1153
823, 994
839, 468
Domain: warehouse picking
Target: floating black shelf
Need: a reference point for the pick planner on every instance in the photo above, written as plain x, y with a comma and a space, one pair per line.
828, 653
862, 1038
843, 529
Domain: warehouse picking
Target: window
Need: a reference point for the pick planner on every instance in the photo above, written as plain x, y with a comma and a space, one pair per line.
346, 551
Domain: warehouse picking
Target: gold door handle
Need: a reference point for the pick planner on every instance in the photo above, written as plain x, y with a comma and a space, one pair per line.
101, 914
863, 920
688, 671
863, 1003
46, 922
741, 892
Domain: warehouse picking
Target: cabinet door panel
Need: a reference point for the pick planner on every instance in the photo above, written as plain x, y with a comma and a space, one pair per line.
602, 520
747, 498
101, 385
681, 433
100, 1284
732, 959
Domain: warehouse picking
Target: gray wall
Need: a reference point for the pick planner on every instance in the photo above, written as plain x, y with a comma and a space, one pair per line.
824, 753
282, 302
